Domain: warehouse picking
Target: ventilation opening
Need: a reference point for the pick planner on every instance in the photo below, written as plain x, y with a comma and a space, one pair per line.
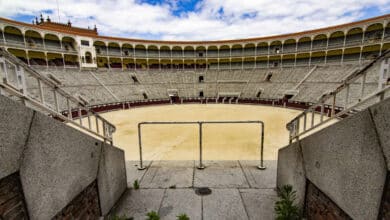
258, 94
288, 96
268, 77
134, 78
201, 94
201, 79
145, 95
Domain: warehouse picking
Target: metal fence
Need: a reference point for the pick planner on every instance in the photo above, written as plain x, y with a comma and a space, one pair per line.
342, 101
22, 83
200, 124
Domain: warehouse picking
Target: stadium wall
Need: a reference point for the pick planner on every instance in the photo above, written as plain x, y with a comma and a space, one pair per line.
342, 171
62, 172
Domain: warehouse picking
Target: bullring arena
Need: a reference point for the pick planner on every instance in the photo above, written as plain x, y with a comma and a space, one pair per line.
71, 101
178, 142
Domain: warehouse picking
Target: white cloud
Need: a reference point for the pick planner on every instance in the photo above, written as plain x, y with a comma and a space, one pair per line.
213, 19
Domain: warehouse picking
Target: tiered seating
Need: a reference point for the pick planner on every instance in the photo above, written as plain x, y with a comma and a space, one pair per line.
112, 85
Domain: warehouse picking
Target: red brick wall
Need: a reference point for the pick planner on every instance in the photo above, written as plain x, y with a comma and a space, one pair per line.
319, 206
12, 205
84, 206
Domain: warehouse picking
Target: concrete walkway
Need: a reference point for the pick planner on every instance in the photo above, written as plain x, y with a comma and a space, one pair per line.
239, 190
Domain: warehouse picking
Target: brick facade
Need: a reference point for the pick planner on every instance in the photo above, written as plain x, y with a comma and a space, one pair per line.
12, 205
319, 206
84, 206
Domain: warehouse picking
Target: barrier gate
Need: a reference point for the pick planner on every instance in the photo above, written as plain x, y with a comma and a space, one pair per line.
200, 123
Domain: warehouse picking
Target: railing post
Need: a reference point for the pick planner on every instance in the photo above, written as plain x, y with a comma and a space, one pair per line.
141, 166
69, 109
261, 166
200, 166
97, 124
333, 105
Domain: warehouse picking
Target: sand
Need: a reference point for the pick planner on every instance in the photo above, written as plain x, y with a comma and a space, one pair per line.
220, 141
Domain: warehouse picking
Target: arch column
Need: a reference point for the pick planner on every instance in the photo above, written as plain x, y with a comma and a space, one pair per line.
268, 59
255, 66
63, 59
3, 36
230, 58
28, 58
343, 49
311, 51
383, 37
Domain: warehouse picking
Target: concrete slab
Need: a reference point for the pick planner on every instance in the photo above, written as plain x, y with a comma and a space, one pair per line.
381, 116
259, 203
179, 201
58, 163
224, 204
166, 174
14, 128
111, 177
136, 203
290, 170
261, 179
345, 161
221, 174
132, 173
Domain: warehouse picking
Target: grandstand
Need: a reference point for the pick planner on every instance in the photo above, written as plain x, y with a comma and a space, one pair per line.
323, 85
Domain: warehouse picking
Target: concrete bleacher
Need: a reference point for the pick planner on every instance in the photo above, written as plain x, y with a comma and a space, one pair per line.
107, 86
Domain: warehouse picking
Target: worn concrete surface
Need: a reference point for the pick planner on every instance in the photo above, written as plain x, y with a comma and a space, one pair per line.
221, 174
136, 203
168, 187
266, 179
346, 162
380, 114
179, 201
111, 176
259, 203
132, 173
165, 174
224, 204
58, 163
290, 170
15, 120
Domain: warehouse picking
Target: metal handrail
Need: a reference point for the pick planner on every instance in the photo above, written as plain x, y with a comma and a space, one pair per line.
14, 84
295, 127
200, 123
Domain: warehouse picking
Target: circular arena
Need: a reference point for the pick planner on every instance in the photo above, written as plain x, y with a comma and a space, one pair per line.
100, 126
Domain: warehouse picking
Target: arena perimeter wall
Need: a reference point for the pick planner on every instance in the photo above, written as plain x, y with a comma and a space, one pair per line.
56, 171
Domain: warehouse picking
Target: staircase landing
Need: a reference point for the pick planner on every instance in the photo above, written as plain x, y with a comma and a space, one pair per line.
238, 190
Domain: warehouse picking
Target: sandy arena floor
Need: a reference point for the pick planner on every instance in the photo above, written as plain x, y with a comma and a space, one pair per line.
220, 142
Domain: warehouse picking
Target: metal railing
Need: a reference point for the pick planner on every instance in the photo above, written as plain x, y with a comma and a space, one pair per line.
200, 123
330, 104
21, 82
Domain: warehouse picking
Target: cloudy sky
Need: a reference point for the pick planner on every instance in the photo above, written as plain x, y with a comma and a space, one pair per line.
196, 19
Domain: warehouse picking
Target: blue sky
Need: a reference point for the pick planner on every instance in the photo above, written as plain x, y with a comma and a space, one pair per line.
197, 19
